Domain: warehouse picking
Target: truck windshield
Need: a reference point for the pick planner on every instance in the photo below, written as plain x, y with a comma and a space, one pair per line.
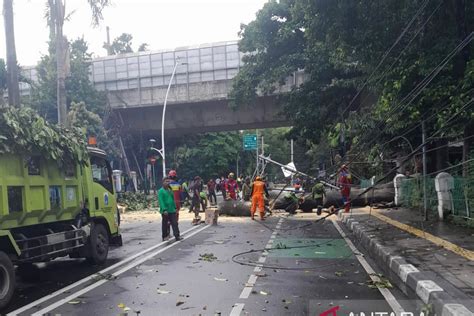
101, 172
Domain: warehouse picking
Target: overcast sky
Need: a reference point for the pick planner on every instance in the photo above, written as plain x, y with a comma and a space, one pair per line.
160, 23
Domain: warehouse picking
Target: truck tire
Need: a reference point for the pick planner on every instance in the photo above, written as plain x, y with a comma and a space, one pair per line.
98, 245
7, 280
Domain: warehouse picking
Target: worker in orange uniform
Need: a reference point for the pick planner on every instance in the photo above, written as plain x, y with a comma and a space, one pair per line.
259, 189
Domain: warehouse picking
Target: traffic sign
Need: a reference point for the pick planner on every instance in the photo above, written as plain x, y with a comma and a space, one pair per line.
250, 142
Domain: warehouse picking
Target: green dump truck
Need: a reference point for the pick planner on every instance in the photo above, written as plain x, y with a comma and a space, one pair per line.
49, 211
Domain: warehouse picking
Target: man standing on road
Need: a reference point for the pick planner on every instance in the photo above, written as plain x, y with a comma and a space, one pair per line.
231, 187
345, 185
168, 211
318, 193
176, 188
259, 189
211, 191
196, 190
246, 190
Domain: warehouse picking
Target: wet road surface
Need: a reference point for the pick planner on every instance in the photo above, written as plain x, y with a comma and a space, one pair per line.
281, 266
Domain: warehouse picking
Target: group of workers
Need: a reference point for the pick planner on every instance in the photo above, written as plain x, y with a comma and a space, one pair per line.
173, 193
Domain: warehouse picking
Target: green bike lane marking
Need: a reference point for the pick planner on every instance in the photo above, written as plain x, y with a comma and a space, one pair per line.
311, 248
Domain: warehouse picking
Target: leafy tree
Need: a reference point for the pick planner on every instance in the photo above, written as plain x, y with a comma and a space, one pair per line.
143, 47
339, 44
79, 88
121, 45
78, 85
81, 117
56, 16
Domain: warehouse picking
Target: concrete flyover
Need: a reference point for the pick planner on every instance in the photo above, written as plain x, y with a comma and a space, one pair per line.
203, 116
136, 85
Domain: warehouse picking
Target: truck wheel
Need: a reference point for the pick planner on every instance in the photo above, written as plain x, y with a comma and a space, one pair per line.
98, 245
7, 280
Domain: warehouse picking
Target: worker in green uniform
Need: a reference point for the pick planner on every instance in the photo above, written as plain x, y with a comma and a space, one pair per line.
168, 211
318, 194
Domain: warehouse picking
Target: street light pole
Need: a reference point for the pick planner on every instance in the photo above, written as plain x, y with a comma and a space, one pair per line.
163, 117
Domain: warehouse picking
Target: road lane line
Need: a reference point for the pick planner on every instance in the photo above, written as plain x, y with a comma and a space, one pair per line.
91, 277
115, 274
237, 309
246, 292
253, 278
391, 300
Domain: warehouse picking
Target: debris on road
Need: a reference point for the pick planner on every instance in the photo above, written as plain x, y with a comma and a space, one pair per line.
74, 302
163, 291
209, 257
179, 303
220, 279
380, 282
264, 293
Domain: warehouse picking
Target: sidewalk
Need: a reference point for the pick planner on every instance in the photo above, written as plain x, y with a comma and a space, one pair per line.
433, 260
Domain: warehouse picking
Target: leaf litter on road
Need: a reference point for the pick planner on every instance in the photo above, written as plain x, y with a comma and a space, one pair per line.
209, 257
380, 282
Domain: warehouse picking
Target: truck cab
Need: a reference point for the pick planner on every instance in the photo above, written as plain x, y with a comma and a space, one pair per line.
48, 210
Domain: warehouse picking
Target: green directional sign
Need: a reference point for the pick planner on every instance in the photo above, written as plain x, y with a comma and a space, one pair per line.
250, 142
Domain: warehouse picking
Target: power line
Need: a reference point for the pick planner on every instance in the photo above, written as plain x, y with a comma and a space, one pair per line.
387, 52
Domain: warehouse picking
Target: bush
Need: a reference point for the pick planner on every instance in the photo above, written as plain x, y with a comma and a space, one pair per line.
134, 201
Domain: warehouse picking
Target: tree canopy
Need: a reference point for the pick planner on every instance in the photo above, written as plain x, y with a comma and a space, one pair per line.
344, 46
123, 44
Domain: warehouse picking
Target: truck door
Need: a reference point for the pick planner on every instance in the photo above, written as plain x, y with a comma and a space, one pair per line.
103, 189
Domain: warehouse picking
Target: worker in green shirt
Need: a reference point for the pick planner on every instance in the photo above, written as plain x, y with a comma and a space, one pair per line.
318, 193
168, 211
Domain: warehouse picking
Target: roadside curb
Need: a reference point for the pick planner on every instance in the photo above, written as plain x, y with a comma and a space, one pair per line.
431, 289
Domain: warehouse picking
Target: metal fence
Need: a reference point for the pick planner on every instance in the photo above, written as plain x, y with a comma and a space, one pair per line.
462, 195
412, 193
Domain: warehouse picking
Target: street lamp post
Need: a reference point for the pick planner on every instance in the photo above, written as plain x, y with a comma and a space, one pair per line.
162, 152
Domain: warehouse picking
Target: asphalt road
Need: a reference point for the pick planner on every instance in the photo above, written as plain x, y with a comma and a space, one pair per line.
306, 269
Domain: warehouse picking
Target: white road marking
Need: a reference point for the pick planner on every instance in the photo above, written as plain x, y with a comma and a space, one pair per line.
91, 277
253, 278
237, 309
391, 300
115, 274
246, 292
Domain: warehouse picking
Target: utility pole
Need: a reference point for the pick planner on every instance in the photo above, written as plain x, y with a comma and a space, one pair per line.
109, 48
291, 145
12, 66
237, 166
425, 198
256, 168
61, 46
